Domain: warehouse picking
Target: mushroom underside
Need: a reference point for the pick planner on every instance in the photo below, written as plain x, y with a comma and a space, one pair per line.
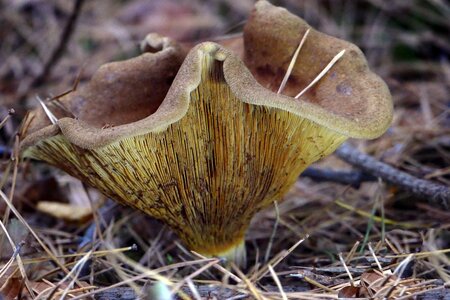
207, 174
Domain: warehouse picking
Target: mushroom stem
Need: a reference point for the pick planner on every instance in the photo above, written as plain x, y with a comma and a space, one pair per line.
237, 254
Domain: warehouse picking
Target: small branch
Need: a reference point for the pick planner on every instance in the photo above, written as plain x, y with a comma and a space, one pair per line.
57, 52
353, 178
8, 116
62, 45
434, 192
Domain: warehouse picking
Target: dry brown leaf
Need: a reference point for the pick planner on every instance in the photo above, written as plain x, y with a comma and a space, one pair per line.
65, 211
348, 292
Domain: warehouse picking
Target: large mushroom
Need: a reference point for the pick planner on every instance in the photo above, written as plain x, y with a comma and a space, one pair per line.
207, 150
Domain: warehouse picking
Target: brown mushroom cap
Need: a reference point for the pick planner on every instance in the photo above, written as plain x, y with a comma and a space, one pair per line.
118, 94
219, 147
349, 98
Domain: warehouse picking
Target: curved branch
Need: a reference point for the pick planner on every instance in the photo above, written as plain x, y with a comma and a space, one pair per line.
433, 192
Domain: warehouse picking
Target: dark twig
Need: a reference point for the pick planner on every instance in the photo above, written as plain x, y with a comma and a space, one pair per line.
353, 178
10, 113
63, 41
58, 51
434, 192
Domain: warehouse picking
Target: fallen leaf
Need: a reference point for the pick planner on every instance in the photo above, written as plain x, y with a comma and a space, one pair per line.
65, 211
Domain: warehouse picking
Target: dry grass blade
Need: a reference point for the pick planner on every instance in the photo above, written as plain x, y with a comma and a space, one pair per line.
221, 269
41, 243
375, 257
317, 284
277, 281
5, 119
193, 289
251, 287
399, 272
47, 111
18, 258
98, 253
352, 281
373, 217
276, 260
73, 275
421, 254
274, 231
292, 63
352, 252
178, 285
322, 73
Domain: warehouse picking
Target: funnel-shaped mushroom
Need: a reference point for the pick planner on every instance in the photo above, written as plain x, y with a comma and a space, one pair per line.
220, 146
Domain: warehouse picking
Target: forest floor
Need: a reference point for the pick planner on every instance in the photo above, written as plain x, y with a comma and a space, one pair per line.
326, 240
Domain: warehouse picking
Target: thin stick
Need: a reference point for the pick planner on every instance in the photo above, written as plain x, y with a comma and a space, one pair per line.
277, 281
352, 252
317, 284
19, 259
73, 275
220, 268
15, 161
58, 51
353, 177
274, 231
276, 260
375, 257
434, 192
179, 284
352, 281
47, 111
322, 73
253, 290
97, 254
8, 116
292, 63
399, 272
193, 289
22, 220
421, 254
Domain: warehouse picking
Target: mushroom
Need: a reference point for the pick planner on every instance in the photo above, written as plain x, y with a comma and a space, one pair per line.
225, 141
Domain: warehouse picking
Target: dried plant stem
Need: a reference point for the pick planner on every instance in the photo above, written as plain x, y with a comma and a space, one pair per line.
47, 111
15, 163
41, 243
278, 283
322, 73
435, 193
18, 259
274, 231
251, 287
352, 281
292, 63
5, 119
